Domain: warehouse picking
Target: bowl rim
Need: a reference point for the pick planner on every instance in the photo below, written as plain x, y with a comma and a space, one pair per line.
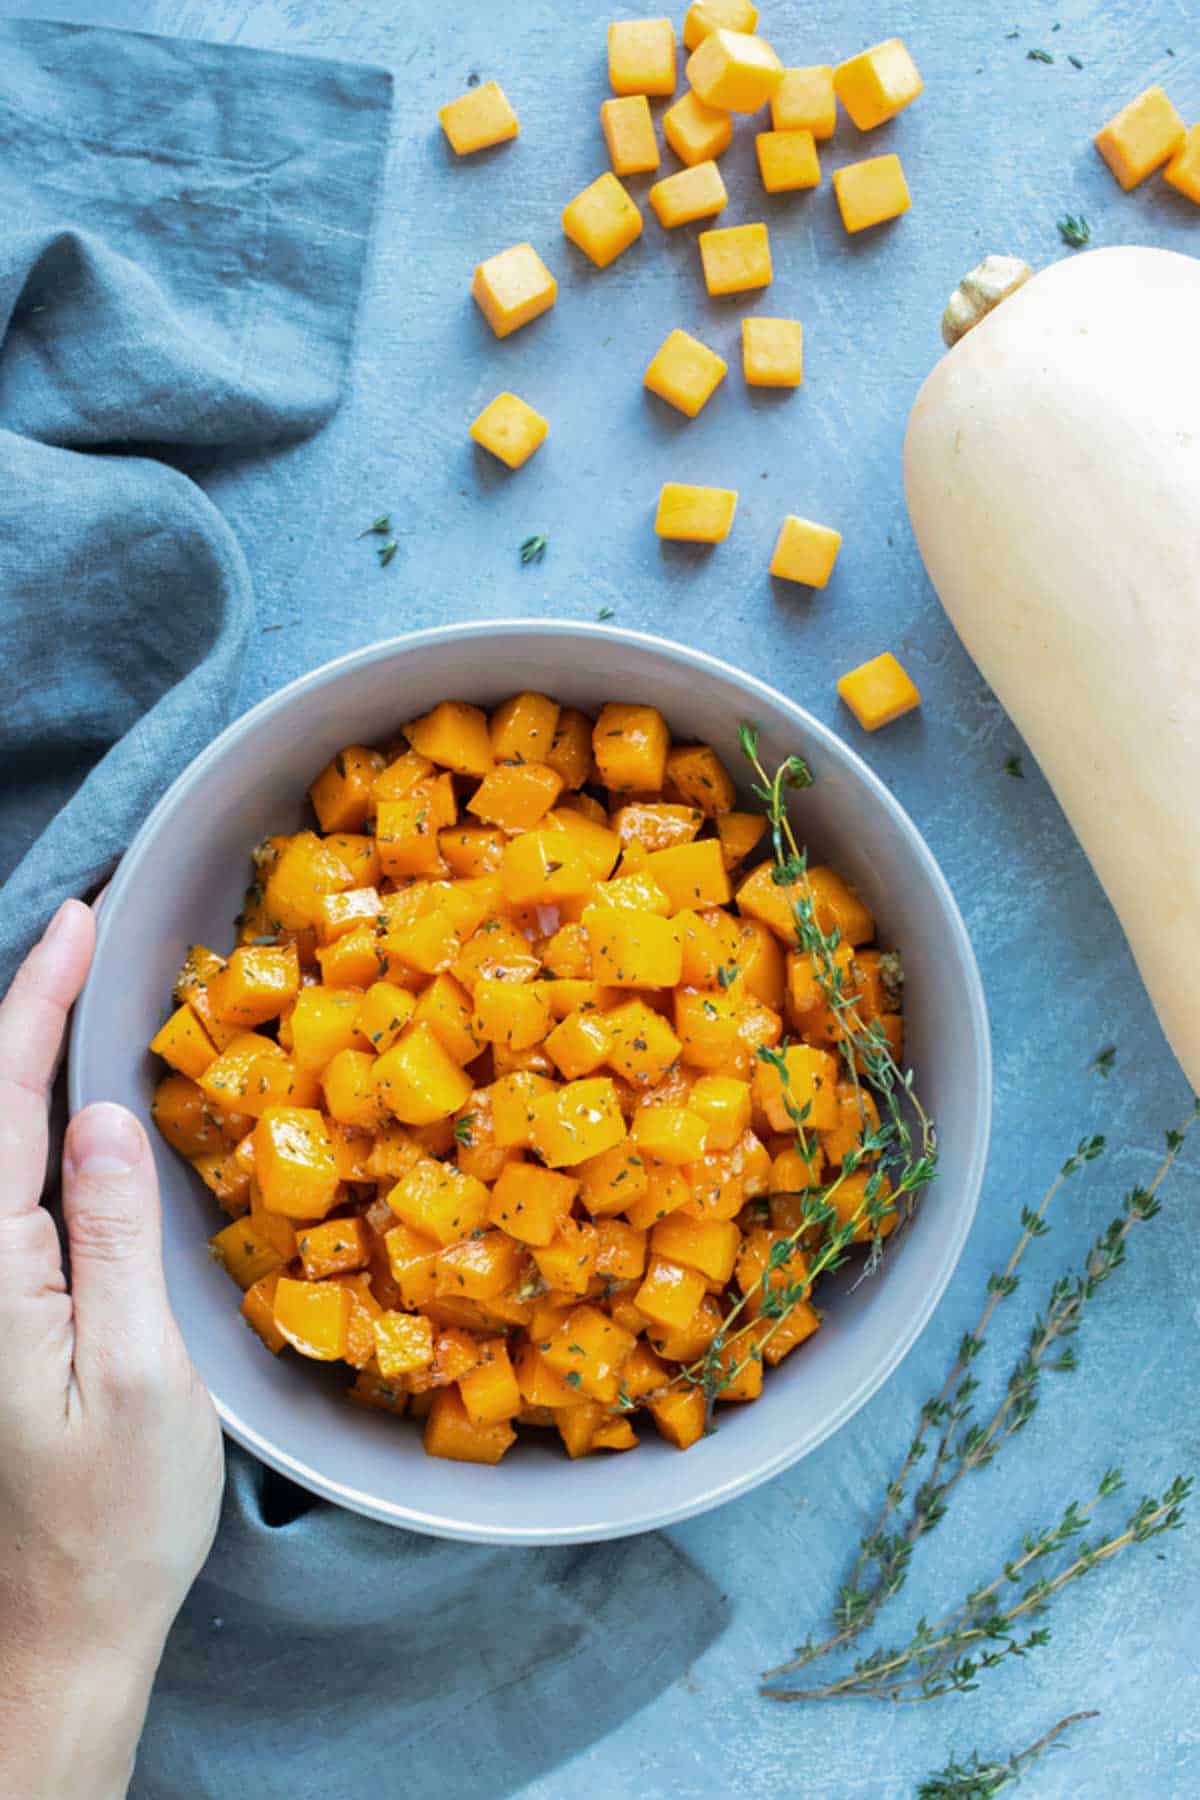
950, 1246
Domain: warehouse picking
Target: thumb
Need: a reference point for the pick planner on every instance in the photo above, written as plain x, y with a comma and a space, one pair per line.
114, 1234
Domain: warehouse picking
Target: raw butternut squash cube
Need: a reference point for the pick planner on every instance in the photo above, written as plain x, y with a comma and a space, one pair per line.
184, 1044
337, 1247
669, 1134
513, 1098
739, 833
342, 793
694, 515
531, 1203
879, 691
805, 101
811, 1089
1141, 137
510, 289
602, 221
736, 258
691, 875
568, 1262
694, 193
1183, 170
588, 1351
630, 744
679, 1414
877, 84
706, 16
670, 1294
418, 1080
304, 870
787, 161
723, 1102
258, 1310
709, 1245
773, 352
244, 1253
629, 133
450, 1432
489, 1391
513, 1013
695, 132
294, 1163
314, 1317
479, 1267
578, 1044
734, 70
571, 751
510, 428
805, 552
683, 371
478, 119
436, 1200
641, 56
576, 1121
633, 949
869, 193
516, 796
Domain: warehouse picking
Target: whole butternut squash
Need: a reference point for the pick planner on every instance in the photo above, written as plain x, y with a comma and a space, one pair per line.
1052, 470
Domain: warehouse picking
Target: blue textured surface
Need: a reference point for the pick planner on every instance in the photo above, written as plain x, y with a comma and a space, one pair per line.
997, 148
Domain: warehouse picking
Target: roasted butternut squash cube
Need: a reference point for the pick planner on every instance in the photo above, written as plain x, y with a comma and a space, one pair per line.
343, 793
779, 1337
294, 1163
257, 983
621, 1251
723, 1102
877, 84
258, 1310
542, 867
446, 1008
641, 56
338, 1247
707, 1027
314, 1317
694, 193
696, 773
762, 965
706, 16
858, 1116
418, 1080
805, 101
630, 744
438, 1201
338, 914
382, 1013
579, 1044
694, 515
633, 949
695, 132
879, 691
244, 1253
683, 371
450, 1432
710, 949
708, 1245
516, 796
571, 750
738, 834
403, 1343
490, 1393
656, 824
679, 1414
406, 831
412, 1259
184, 1044
864, 1200
603, 220
805, 552
669, 1134
351, 1096
191, 1121
686, 1343
355, 959
787, 161
304, 870
471, 850
666, 1191
692, 875
628, 129
718, 1186
734, 70
588, 1351
610, 1182
324, 1021
1183, 170
1141, 137
478, 119
522, 728
512, 1100
871, 192
741, 1370
496, 952
401, 776
510, 429
513, 1013
531, 1203
670, 1294
811, 1088
575, 1122
736, 258
568, 1262
510, 289
480, 1266
538, 1383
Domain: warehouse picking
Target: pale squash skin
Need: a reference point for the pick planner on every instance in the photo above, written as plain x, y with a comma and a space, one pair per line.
1052, 470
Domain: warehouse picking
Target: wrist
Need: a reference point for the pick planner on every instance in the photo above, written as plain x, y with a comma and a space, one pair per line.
70, 1718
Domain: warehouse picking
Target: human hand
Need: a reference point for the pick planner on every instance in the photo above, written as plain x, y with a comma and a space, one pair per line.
110, 1451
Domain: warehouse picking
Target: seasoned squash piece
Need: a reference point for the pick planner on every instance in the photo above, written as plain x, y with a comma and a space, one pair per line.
670, 1294
576, 1122
696, 773
633, 949
343, 793
571, 749
679, 1414
739, 833
305, 869
630, 744
480, 1266
516, 796
450, 1432
184, 1044
489, 1391
314, 1317
338, 1247
438, 1201
811, 1088
455, 736
691, 875
708, 1245
258, 1310
588, 1351
294, 1162
244, 1253
418, 1080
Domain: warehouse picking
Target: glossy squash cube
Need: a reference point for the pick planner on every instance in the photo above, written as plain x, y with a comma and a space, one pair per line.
684, 372
571, 751
706, 16
338, 1247
450, 1432
739, 833
805, 101
531, 1203
184, 1044
805, 552
256, 984
628, 128
478, 119
787, 161
516, 796
567, 1263
691, 875
1183, 170
480, 1266
515, 1014
438, 1201
670, 1294
723, 1102
418, 1080
294, 1163
403, 1342
490, 1393
869, 193
879, 691
513, 287
510, 429
314, 1317
695, 193
325, 1020
641, 56
576, 1122
258, 1310
513, 1099
588, 1351
708, 1245
341, 794
602, 221
695, 132
306, 868
579, 1044
734, 70
448, 1010
694, 515
1141, 137
382, 1013
669, 1134
773, 352
630, 744
877, 84
736, 258
621, 1252
455, 736
610, 1182
245, 1253
679, 1414
642, 1045
633, 949
810, 1088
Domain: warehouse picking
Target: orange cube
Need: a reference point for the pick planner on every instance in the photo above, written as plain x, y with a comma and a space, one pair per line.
734, 70
641, 56
513, 287
490, 1393
403, 1342
630, 744
633, 949
706, 16
478, 119
708, 1245
568, 1262
450, 1432
576, 1122
412, 1260
471, 850
642, 1046
294, 1162
877, 84
341, 794
879, 691
304, 870
258, 1310
255, 985
787, 161
418, 1080
516, 796
736, 258
670, 1294
811, 1090
336, 914
1141, 137
610, 1182
805, 552
571, 750
694, 515
314, 1317
337, 1247
629, 133
513, 1098
515, 1014
454, 735
447, 1009
602, 221
579, 1044
244, 1253
621, 1251
805, 101
510, 429
683, 371
1183, 170
869, 193
382, 1013
696, 773
691, 875
324, 1021
680, 1415
695, 132
184, 1044
669, 1134
531, 1203
694, 193
773, 352
438, 1201
479, 1267
707, 1026
723, 1102
739, 833
588, 1351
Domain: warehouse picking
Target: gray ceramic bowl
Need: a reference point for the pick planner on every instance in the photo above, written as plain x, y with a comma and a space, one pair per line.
181, 881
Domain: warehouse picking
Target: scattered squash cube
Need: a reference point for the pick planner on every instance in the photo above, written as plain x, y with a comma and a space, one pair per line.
683, 371
706, 16
1141, 137
736, 258
694, 515
877, 84
695, 132
513, 287
870, 192
805, 552
805, 101
1183, 170
479, 118
695, 193
450, 1432
787, 161
628, 129
879, 691
314, 1317
773, 352
602, 221
641, 56
734, 70
577, 1121
510, 429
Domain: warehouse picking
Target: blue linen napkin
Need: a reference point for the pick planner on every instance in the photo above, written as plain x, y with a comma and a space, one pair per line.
187, 230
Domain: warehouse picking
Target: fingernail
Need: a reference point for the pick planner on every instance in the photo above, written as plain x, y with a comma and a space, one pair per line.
103, 1140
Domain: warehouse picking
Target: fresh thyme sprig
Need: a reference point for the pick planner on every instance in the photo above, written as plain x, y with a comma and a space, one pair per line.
976, 1779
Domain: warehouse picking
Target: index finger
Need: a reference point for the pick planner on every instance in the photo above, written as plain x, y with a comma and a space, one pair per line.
33, 1017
